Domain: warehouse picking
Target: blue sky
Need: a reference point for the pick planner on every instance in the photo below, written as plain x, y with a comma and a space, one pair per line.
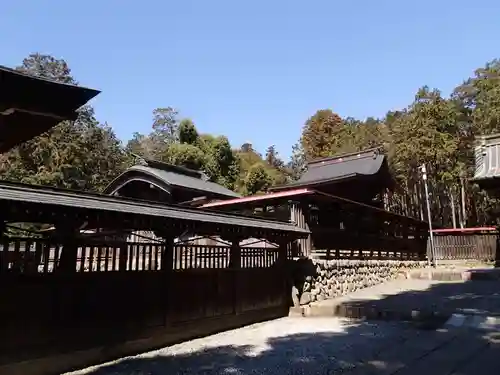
253, 70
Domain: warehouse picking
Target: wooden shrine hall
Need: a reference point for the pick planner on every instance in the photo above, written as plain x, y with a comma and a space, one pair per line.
340, 201
156, 181
69, 300
361, 177
487, 168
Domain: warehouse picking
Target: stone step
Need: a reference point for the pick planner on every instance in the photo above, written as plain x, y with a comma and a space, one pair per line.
476, 322
479, 274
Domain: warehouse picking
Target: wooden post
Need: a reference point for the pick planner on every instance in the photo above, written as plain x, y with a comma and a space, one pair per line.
286, 277
122, 262
235, 266
235, 254
4, 247
299, 215
68, 236
167, 267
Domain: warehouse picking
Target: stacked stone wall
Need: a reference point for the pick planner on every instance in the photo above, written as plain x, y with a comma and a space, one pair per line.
334, 278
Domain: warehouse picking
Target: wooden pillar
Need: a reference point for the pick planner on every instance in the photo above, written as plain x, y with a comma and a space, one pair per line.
497, 249
286, 276
167, 256
67, 234
299, 215
167, 267
235, 267
4, 247
122, 262
235, 254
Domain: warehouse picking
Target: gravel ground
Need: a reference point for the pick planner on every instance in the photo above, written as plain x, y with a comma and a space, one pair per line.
283, 346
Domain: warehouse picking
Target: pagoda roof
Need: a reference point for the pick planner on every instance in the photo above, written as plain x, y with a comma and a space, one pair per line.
29, 106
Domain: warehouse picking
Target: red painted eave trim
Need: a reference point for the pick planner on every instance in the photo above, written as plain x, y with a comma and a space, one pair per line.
257, 198
459, 230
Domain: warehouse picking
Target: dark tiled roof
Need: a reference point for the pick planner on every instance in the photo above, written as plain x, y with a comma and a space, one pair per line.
79, 201
341, 168
29, 106
184, 181
367, 163
172, 175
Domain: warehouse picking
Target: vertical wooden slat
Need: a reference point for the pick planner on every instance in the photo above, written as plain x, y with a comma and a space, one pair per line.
116, 251
83, 253
106, 258
151, 256
38, 254
46, 255
27, 255
184, 257
143, 252
16, 253
99, 258
175, 257
205, 256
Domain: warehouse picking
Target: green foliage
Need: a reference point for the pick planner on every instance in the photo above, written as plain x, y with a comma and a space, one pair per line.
320, 134
272, 164
165, 126
297, 164
187, 132
433, 129
257, 179
185, 155
222, 164
81, 154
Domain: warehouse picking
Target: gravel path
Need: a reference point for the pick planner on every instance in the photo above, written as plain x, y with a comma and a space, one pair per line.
283, 346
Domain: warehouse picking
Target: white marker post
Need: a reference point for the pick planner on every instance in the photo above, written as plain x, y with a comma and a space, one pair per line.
431, 261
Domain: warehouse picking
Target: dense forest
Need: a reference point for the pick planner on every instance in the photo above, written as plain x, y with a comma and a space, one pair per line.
436, 130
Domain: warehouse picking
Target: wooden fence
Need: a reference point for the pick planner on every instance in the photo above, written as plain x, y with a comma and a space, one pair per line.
119, 292
465, 246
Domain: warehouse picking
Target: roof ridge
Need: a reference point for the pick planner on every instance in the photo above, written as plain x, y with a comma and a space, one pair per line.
349, 156
156, 164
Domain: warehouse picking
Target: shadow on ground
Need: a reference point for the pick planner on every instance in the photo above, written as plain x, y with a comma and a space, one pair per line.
426, 300
325, 346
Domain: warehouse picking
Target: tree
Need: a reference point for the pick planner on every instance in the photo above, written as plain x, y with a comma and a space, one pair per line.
273, 159
79, 154
480, 97
297, 165
46, 66
257, 179
187, 132
165, 126
142, 145
246, 147
185, 155
221, 163
320, 134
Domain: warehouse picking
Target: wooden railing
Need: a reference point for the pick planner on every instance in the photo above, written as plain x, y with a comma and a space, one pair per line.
27, 255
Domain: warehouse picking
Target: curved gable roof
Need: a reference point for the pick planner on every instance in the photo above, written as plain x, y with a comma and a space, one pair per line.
341, 168
171, 178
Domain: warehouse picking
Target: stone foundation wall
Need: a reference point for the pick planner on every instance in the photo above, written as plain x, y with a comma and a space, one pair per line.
334, 278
